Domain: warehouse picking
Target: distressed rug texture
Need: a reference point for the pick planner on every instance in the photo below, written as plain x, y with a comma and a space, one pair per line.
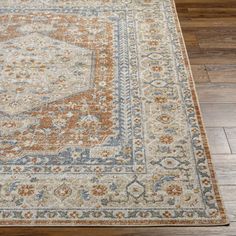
99, 120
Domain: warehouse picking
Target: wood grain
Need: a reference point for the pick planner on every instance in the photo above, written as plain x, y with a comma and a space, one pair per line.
231, 136
154, 231
218, 141
200, 74
216, 92
222, 73
219, 114
215, 56
225, 166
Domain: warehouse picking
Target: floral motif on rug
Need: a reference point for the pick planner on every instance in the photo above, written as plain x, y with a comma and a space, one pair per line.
99, 120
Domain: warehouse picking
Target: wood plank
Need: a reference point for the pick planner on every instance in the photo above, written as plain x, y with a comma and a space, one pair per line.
222, 73
182, 10
220, 37
231, 136
232, 144
216, 37
205, 3
191, 40
212, 2
190, 36
231, 209
122, 231
204, 33
219, 115
218, 141
216, 93
230, 132
211, 56
200, 74
225, 166
206, 13
212, 10
222, 42
209, 22
228, 193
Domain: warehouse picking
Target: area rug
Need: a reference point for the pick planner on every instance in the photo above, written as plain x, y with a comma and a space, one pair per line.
99, 120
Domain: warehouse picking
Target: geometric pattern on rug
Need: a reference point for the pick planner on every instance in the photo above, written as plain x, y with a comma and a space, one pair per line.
99, 120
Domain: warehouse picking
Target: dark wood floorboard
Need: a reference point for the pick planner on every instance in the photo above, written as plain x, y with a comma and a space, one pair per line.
209, 28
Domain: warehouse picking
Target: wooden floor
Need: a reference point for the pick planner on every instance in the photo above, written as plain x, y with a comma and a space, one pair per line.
209, 28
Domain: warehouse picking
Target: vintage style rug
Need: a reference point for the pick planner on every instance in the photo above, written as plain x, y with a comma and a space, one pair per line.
99, 120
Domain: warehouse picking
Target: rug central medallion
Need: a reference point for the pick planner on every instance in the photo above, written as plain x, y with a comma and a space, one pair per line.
37, 69
61, 87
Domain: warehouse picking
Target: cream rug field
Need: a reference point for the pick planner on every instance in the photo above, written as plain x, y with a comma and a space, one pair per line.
99, 120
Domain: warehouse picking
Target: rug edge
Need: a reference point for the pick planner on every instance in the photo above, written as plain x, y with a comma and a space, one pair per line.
211, 166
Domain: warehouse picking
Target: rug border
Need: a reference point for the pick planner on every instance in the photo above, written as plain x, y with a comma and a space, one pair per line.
215, 184
149, 223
